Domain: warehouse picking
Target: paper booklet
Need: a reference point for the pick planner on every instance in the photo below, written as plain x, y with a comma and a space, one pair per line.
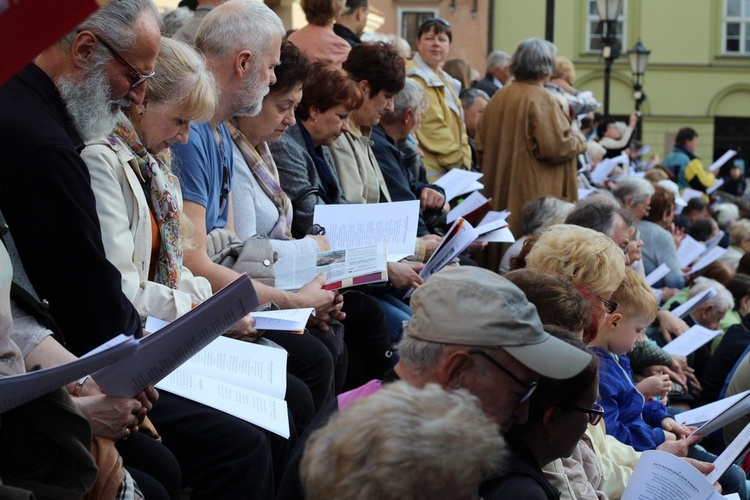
702, 414
727, 415
708, 257
242, 379
16, 390
722, 160
473, 209
605, 167
494, 228
690, 341
657, 274
343, 268
659, 475
353, 226
456, 240
689, 250
696, 301
457, 182
162, 352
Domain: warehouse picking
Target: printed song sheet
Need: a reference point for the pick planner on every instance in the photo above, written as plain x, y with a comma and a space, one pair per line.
457, 182
352, 226
689, 250
283, 320
659, 475
690, 304
657, 274
690, 341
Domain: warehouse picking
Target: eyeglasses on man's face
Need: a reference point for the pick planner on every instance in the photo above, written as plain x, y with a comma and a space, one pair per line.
529, 387
136, 77
595, 413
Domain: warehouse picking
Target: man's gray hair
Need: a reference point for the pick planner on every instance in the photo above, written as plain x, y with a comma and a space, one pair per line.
598, 216
497, 59
468, 96
723, 300
419, 356
411, 97
239, 25
543, 212
115, 22
634, 188
533, 59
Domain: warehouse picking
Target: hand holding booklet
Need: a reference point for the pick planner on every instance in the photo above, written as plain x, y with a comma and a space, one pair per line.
343, 268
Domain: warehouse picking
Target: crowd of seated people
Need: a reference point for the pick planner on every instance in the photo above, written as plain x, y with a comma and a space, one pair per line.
159, 169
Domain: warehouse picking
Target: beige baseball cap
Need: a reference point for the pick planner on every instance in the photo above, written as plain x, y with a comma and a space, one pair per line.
472, 306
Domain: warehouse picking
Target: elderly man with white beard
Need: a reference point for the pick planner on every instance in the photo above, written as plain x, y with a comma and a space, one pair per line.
69, 95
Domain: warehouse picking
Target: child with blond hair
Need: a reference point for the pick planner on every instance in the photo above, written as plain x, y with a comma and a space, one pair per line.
629, 416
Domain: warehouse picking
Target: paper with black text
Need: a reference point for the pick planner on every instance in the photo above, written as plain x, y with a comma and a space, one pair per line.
702, 414
689, 250
722, 160
690, 341
352, 226
730, 454
16, 390
283, 320
694, 302
659, 475
162, 352
733, 412
494, 228
457, 182
657, 274
707, 258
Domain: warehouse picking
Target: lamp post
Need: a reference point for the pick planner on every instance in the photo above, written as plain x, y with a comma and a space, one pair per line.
638, 56
608, 11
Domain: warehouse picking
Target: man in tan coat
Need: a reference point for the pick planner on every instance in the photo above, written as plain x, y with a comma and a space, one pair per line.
524, 141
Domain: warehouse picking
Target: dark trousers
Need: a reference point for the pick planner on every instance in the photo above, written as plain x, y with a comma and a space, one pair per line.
220, 456
152, 466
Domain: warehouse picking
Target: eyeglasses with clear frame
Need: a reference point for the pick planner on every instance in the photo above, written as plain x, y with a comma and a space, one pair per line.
529, 387
595, 413
136, 76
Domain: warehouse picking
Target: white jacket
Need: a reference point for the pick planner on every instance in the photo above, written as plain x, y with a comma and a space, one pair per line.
125, 220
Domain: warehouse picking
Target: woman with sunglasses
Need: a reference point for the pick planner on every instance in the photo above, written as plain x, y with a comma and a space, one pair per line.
442, 136
559, 413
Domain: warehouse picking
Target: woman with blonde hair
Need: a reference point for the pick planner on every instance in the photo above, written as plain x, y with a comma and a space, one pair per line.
588, 259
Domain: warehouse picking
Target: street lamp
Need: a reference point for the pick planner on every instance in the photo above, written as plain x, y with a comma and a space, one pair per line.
638, 56
608, 11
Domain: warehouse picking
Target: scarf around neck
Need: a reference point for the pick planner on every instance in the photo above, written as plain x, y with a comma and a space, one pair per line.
159, 187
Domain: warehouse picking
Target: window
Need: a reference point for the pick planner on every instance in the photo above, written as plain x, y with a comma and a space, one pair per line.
594, 28
410, 19
737, 27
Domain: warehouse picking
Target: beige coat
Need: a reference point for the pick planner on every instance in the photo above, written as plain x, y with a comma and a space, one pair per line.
526, 149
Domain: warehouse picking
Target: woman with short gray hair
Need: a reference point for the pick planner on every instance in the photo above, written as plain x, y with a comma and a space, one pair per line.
525, 143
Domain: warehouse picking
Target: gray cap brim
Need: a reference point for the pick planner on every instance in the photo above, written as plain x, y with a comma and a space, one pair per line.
551, 358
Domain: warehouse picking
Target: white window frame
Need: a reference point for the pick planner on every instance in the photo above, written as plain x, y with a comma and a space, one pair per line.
622, 18
743, 21
400, 11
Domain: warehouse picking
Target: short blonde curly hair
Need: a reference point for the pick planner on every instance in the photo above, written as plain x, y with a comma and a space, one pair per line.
584, 256
403, 443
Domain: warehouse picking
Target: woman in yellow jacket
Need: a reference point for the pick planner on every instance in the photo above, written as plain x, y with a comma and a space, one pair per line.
442, 136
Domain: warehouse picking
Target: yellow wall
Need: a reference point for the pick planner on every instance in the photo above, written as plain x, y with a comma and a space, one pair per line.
688, 80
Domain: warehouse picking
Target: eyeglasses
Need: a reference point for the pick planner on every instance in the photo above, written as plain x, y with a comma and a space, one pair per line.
595, 413
437, 20
529, 387
609, 305
136, 76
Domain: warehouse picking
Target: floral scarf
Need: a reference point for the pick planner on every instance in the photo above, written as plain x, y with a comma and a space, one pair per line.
159, 187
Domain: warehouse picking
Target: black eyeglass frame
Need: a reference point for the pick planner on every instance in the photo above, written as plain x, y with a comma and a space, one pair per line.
609, 305
595, 413
529, 387
139, 78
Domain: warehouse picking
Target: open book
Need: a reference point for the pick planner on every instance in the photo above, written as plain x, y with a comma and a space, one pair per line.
343, 268
162, 352
242, 379
690, 341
